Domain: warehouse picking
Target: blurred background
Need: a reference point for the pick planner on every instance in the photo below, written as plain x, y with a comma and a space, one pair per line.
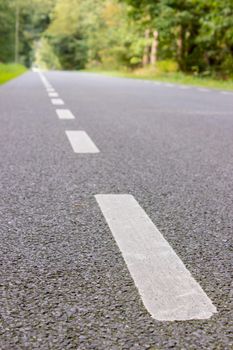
175, 40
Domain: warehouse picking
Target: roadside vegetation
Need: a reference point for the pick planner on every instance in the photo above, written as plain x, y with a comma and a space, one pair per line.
175, 78
10, 71
183, 41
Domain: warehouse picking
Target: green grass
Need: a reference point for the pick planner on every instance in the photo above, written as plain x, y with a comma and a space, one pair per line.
10, 71
177, 78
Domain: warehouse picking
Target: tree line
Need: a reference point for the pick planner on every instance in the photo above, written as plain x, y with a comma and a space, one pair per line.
194, 36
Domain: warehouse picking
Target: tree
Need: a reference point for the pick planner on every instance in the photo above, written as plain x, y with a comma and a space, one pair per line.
22, 23
6, 31
196, 33
120, 33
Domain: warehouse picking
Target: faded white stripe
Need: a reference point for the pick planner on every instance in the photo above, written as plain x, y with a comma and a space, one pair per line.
226, 93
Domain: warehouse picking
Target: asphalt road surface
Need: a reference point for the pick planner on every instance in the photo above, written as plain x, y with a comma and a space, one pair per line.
116, 201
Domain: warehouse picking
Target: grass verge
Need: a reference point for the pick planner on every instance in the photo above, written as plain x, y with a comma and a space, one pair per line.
176, 78
10, 71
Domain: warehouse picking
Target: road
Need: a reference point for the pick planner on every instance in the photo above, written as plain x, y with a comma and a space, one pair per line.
116, 200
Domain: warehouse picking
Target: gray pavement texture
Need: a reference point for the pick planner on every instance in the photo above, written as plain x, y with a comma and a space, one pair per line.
64, 282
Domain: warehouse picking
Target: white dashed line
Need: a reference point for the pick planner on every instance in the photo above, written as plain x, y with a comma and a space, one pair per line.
57, 101
44, 80
168, 290
50, 89
169, 85
53, 94
81, 142
64, 114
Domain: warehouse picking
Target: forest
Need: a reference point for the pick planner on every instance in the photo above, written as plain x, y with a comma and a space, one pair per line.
191, 36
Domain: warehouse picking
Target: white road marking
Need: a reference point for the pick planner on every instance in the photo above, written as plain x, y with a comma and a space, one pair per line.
226, 93
57, 101
64, 114
53, 94
44, 80
168, 290
169, 85
81, 142
50, 89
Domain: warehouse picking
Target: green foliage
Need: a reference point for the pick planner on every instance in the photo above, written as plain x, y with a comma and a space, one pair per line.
71, 51
10, 71
45, 56
117, 34
66, 36
216, 35
6, 31
150, 73
166, 66
196, 33
96, 33
32, 21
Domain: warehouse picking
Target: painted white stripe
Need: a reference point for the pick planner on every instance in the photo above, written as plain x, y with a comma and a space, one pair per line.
57, 101
81, 142
53, 94
64, 114
44, 80
50, 89
168, 290
226, 93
